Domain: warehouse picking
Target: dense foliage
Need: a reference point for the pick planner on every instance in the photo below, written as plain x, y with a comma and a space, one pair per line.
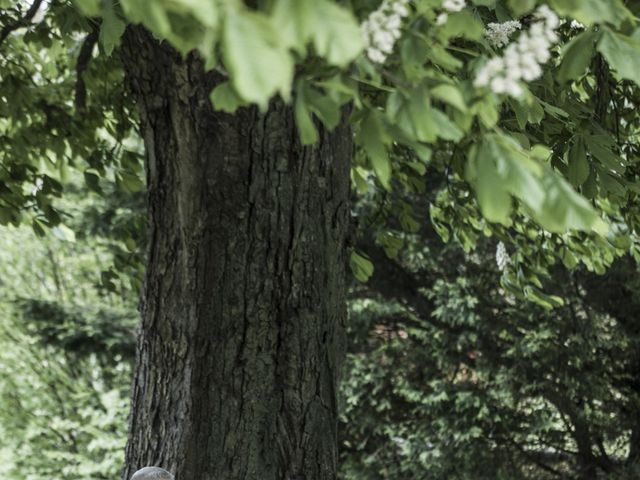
67, 332
524, 117
449, 376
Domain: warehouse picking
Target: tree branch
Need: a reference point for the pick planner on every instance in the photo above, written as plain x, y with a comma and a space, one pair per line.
21, 22
392, 281
84, 58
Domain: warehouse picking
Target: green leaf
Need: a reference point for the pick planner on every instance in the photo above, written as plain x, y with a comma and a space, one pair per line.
591, 12
129, 182
52, 216
6, 215
449, 94
90, 8
521, 111
520, 7
359, 178
564, 209
600, 147
500, 168
186, 24
92, 180
310, 100
39, 227
622, 53
361, 266
590, 186
438, 55
535, 110
463, 24
576, 56
493, 198
64, 233
413, 115
152, 14
537, 296
206, 12
445, 127
187, 34
337, 37
487, 111
612, 185
224, 98
436, 214
111, 29
520, 174
325, 108
568, 258
372, 138
540, 152
578, 171
259, 64
390, 243
413, 52
295, 22
552, 110
308, 131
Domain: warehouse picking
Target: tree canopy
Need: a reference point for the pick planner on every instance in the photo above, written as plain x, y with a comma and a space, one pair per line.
527, 109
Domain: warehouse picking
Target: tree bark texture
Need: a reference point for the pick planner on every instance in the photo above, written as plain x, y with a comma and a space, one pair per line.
244, 303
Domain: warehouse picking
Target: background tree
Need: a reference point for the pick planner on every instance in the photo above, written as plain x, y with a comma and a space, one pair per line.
448, 376
67, 343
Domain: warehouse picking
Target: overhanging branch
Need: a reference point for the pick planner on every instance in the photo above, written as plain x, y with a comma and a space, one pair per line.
392, 281
20, 22
82, 63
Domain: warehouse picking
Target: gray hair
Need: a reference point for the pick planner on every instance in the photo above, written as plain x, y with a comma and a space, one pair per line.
152, 473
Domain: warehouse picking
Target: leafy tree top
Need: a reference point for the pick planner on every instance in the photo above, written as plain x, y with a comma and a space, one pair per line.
530, 105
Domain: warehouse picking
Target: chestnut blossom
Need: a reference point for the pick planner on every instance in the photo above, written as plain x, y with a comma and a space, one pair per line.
442, 19
522, 60
454, 5
383, 27
498, 34
502, 257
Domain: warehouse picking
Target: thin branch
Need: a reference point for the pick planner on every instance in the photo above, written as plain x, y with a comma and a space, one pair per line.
392, 281
21, 22
533, 457
84, 58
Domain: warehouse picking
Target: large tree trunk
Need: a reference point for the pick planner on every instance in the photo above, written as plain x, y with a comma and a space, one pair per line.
244, 304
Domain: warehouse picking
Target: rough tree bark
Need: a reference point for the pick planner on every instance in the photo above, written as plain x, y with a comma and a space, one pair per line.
244, 303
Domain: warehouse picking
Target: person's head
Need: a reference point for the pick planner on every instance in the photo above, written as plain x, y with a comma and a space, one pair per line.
152, 473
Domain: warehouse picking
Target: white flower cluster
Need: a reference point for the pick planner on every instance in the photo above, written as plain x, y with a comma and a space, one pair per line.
502, 257
382, 29
576, 25
522, 60
498, 34
454, 5
450, 6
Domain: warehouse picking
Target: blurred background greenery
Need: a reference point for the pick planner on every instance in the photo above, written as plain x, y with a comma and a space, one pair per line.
67, 340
